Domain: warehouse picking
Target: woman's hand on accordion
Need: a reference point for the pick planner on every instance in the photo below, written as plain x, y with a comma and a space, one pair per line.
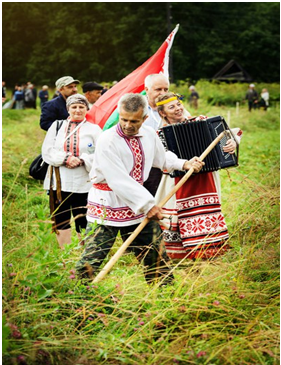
194, 163
230, 146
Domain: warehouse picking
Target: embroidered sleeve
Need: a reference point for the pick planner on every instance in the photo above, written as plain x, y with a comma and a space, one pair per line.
67, 158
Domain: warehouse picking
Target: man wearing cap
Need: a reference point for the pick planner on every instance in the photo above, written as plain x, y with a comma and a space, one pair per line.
55, 109
92, 91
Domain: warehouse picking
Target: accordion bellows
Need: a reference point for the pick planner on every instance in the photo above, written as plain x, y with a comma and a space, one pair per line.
191, 138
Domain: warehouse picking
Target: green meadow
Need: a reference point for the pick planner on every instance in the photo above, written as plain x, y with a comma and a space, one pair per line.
224, 311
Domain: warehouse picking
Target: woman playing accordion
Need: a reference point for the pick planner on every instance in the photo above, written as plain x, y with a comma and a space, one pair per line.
198, 228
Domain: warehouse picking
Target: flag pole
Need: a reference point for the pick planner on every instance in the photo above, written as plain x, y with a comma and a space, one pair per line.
141, 226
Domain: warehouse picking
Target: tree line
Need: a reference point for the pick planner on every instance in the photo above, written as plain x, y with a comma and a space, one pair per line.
104, 41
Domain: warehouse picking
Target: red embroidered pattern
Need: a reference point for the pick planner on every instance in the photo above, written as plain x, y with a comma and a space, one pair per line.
104, 187
72, 143
135, 146
122, 214
175, 250
197, 202
200, 215
201, 224
137, 171
207, 224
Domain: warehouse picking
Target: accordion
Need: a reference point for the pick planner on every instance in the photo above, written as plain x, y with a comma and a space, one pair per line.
191, 138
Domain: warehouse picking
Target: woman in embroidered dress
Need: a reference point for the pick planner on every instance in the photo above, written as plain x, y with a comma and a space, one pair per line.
198, 228
68, 147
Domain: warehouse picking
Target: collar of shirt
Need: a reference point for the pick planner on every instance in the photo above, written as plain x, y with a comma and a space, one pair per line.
154, 113
121, 133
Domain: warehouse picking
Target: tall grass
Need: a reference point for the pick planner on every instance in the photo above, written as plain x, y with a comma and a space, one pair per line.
218, 312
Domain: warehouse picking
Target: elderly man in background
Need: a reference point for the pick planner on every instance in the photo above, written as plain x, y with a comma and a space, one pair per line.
193, 97
252, 97
92, 91
43, 95
155, 85
55, 109
118, 201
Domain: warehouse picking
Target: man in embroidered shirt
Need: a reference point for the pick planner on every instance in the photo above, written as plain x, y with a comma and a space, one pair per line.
118, 201
55, 109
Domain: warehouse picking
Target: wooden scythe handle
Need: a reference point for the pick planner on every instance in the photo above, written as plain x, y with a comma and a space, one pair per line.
141, 226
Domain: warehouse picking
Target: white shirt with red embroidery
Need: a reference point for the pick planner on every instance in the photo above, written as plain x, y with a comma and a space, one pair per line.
56, 150
120, 167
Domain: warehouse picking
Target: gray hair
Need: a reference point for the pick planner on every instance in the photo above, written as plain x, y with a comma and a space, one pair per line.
132, 103
149, 80
77, 99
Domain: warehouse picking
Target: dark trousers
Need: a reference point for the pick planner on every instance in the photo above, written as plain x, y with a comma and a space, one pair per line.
252, 104
148, 247
72, 203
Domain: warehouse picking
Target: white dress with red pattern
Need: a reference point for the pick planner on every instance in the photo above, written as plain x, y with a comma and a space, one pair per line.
198, 228
56, 149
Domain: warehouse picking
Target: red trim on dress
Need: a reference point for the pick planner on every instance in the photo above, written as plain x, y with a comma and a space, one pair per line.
104, 187
120, 214
201, 231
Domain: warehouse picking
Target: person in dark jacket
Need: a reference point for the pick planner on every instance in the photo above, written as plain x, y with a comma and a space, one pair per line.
43, 95
30, 96
55, 109
193, 97
252, 97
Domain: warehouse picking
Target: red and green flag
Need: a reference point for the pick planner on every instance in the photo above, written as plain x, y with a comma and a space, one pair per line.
104, 112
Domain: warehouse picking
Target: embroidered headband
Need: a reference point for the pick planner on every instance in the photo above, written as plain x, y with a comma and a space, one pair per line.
77, 99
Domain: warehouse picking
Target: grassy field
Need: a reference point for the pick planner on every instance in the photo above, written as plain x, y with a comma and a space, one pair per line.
220, 312
222, 93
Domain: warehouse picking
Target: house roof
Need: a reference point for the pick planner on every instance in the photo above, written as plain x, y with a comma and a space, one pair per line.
232, 71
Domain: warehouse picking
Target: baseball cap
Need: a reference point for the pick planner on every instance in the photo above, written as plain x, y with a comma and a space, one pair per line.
252, 85
91, 85
65, 80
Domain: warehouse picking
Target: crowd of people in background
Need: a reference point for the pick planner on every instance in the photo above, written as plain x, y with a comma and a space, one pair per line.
25, 95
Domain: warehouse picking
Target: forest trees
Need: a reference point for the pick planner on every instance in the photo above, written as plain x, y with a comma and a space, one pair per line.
106, 41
